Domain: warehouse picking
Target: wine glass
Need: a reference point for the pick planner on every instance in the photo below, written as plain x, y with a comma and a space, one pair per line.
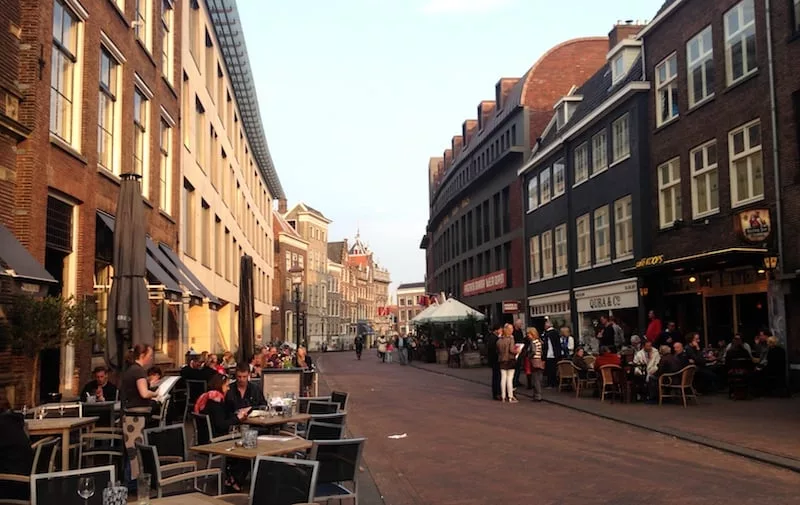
86, 488
233, 431
61, 410
25, 410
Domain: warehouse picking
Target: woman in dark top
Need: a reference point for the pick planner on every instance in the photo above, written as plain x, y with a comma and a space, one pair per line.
136, 399
17, 453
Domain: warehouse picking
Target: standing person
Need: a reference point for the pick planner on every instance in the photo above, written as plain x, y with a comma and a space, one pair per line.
137, 399
653, 327
382, 348
606, 334
359, 345
389, 349
412, 346
508, 361
402, 343
567, 343
552, 352
535, 353
493, 360
519, 338
619, 333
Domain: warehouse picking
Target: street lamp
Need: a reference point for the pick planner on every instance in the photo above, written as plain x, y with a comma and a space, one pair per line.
296, 274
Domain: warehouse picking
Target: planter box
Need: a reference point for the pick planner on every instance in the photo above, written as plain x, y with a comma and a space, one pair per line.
470, 359
442, 356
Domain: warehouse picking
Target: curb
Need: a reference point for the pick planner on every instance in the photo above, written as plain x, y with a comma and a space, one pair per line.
760, 456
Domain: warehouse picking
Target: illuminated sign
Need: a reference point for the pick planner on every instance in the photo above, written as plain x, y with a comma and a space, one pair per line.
650, 261
484, 284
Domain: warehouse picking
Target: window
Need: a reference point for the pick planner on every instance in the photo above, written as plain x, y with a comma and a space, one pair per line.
669, 192
797, 15
533, 193
740, 41
165, 168
544, 181
558, 178
599, 153
623, 227
581, 163
142, 22
141, 109
617, 68
64, 90
601, 239
705, 181
218, 245
199, 132
536, 271
561, 249
584, 241
188, 217
747, 170
700, 67
205, 234
167, 39
107, 112
547, 254
667, 90
620, 138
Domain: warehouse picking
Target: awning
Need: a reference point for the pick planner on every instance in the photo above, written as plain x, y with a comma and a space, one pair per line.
722, 258
188, 273
166, 265
154, 268
16, 262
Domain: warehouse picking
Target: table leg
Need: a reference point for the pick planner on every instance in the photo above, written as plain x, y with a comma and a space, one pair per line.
65, 450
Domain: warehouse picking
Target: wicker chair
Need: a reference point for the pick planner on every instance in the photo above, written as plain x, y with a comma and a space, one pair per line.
589, 382
678, 385
609, 386
566, 375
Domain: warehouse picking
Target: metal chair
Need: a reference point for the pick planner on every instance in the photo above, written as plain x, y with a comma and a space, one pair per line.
279, 481
339, 461
160, 419
194, 388
94, 445
323, 408
204, 434
149, 463
44, 454
340, 397
303, 401
668, 387
170, 442
324, 431
62, 487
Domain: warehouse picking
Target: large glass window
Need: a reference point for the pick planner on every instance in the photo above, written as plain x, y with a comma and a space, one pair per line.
167, 39
621, 138
558, 178
546, 187
705, 179
667, 89
561, 249
746, 164
547, 254
700, 67
63, 73
106, 112
533, 193
535, 259
599, 153
740, 41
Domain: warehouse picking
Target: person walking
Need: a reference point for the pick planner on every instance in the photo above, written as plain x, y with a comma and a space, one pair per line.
492, 359
402, 343
382, 348
508, 361
359, 345
552, 352
536, 362
519, 338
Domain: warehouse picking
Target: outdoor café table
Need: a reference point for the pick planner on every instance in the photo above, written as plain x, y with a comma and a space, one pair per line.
62, 426
189, 499
275, 421
226, 448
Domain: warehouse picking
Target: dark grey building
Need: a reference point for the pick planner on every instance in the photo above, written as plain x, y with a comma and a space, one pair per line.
586, 190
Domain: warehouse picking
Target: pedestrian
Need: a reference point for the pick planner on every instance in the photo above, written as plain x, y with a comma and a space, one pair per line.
412, 347
389, 350
536, 362
382, 348
402, 343
519, 338
359, 345
492, 359
508, 360
552, 352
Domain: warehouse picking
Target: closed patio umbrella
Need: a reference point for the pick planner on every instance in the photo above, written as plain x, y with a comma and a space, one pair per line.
247, 335
129, 321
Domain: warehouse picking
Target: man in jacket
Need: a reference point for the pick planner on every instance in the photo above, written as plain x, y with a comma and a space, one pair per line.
492, 359
244, 393
551, 341
519, 338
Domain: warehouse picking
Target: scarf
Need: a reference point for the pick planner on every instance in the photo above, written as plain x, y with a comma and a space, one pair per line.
200, 405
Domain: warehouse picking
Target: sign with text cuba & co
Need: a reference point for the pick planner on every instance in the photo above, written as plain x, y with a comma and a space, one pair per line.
754, 225
485, 283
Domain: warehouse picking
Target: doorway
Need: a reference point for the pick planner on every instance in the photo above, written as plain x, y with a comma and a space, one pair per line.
720, 324
753, 314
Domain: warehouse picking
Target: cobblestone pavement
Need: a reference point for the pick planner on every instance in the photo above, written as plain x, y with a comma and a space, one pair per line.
462, 448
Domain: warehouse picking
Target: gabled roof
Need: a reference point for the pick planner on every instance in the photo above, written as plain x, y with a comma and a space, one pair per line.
302, 207
282, 227
336, 251
359, 248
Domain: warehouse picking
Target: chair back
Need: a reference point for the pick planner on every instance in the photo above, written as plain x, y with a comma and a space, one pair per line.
104, 411
323, 408
202, 429
607, 373
283, 481
687, 375
195, 388
44, 454
178, 405
74, 409
324, 431
169, 440
303, 401
565, 369
337, 418
148, 463
62, 487
589, 359
338, 459
340, 397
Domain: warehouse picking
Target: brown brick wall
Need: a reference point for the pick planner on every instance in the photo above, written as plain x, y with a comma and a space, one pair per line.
279, 298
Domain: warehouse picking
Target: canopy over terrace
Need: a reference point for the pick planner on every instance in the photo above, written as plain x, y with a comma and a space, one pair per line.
450, 311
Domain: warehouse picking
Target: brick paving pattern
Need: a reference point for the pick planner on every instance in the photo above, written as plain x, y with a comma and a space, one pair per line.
462, 448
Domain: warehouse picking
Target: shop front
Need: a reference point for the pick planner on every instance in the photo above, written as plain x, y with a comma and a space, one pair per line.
489, 294
619, 299
555, 306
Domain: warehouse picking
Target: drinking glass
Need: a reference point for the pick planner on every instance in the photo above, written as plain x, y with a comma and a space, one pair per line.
61, 410
233, 431
143, 489
25, 410
86, 488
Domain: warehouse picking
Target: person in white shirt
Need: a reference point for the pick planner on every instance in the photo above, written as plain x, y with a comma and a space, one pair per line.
567, 343
647, 357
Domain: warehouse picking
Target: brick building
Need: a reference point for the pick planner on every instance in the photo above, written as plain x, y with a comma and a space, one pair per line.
474, 241
290, 250
411, 299
587, 210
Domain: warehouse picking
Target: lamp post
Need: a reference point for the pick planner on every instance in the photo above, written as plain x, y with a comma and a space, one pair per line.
296, 273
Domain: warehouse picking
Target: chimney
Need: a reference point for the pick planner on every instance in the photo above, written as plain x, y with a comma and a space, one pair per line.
623, 30
485, 109
502, 89
457, 143
468, 129
447, 159
282, 206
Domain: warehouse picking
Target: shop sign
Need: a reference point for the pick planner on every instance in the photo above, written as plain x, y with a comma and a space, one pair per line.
650, 261
550, 309
754, 225
618, 295
510, 307
484, 284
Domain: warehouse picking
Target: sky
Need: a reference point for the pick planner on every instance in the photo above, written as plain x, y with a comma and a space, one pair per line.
357, 95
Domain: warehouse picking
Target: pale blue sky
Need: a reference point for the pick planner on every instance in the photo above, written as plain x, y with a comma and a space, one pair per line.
356, 95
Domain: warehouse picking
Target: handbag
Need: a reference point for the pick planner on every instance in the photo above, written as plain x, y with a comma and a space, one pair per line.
538, 363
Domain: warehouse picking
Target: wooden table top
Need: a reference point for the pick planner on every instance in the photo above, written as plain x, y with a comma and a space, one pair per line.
264, 448
55, 425
277, 420
189, 499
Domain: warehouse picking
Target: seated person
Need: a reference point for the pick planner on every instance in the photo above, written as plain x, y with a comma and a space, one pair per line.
667, 364
680, 355
738, 343
154, 374
773, 368
196, 371
606, 358
213, 363
244, 393
272, 359
580, 363
255, 365
636, 343
647, 360
704, 378
302, 359
228, 360
99, 388
17, 453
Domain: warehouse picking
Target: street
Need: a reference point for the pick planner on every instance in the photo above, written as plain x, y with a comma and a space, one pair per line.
463, 448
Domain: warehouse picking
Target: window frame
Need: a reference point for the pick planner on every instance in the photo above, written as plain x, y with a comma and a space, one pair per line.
747, 154
708, 171
606, 228
167, 28
547, 249
165, 165
535, 258
583, 175
559, 167
674, 188
545, 179
561, 253
112, 92
143, 23
623, 221
668, 83
596, 169
740, 35
70, 131
795, 17
586, 235
705, 56
620, 151
140, 125
617, 73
